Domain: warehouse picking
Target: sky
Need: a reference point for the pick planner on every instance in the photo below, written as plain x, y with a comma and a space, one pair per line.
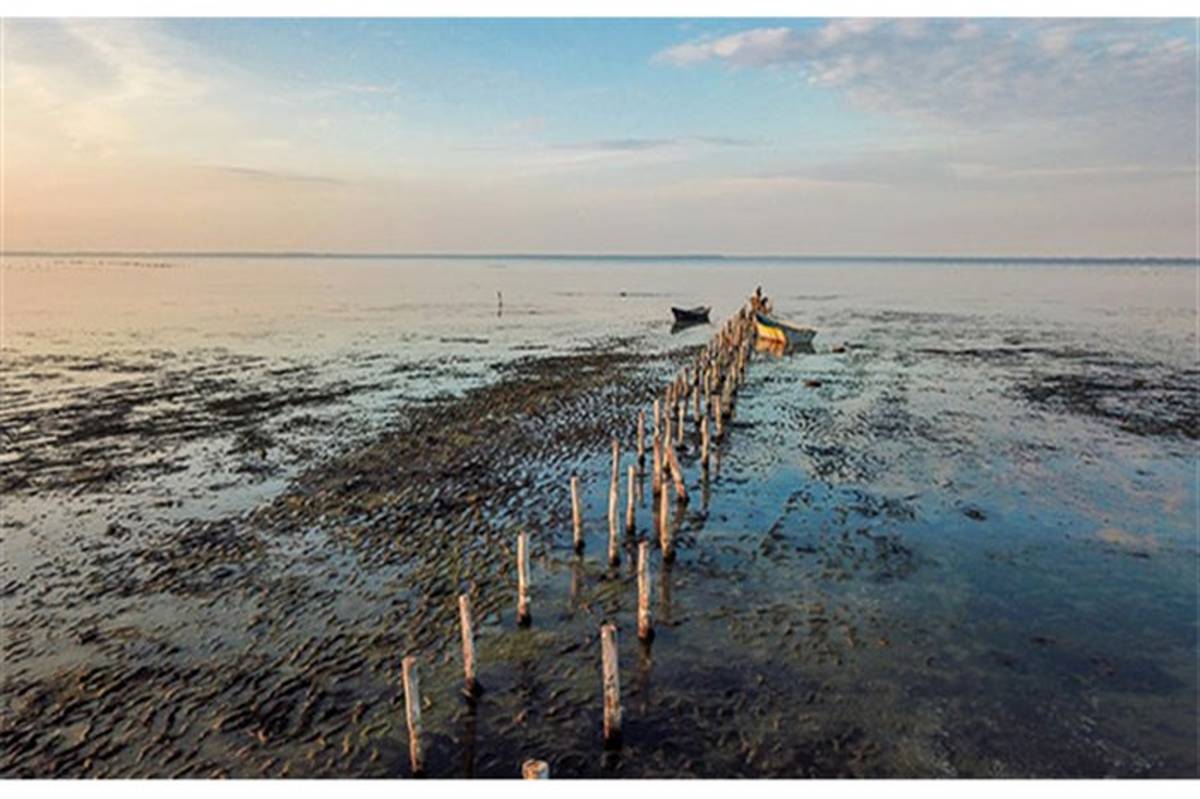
1052, 137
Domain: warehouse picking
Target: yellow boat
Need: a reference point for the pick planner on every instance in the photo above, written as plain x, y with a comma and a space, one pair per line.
786, 333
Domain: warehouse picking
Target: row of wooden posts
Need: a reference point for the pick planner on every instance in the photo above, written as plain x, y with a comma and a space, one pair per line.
709, 387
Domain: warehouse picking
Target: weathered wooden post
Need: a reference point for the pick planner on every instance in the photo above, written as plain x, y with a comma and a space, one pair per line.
616, 462
645, 629
577, 513
412, 710
664, 526
656, 481
704, 444
471, 687
612, 686
629, 506
668, 438
657, 418
679, 431
523, 616
641, 438
717, 417
614, 552
535, 770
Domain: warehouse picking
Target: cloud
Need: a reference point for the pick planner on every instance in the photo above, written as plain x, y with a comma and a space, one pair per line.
630, 145
276, 176
970, 72
85, 83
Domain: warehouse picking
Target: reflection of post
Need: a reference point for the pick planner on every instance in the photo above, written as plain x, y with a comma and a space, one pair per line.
677, 475
612, 686
470, 724
664, 593
576, 581
412, 710
535, 770
577, 513
523, 617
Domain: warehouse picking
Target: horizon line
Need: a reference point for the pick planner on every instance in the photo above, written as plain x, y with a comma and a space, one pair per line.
563, 256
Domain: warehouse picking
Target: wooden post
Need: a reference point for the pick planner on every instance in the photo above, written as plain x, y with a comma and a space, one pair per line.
696, 407
657, 465
412, 710
523, 617
664, 526
616, 463
704, 442
641, 438
629, 506
612, 686
657, 418
645, 630
682, 407
677, 475
614, 552
668, 438
535, 770
717, 417
577, 513
471, 685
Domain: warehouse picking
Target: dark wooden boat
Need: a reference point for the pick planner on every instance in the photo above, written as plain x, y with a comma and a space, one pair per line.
692, 315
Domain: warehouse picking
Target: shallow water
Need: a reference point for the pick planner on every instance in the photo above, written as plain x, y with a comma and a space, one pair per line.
964, 546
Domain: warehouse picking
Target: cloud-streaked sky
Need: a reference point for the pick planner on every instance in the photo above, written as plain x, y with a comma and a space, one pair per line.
1008, 137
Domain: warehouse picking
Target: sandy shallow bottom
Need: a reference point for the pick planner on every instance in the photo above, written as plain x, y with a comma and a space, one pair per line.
963, 546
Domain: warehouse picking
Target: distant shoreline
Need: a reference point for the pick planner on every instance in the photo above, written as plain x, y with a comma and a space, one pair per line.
667, 257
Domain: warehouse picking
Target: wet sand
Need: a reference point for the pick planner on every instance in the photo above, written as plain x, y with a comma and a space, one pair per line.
885, 574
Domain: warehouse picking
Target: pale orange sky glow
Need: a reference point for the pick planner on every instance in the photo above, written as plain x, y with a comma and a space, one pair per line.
724, 136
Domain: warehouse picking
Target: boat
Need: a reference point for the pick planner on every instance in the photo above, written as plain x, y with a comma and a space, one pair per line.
691, 315
781, 349
772, 329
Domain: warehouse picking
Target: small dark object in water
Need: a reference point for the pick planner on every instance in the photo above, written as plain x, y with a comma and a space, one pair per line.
692, 315
813, 383
972, 512
838, 349
1041, 640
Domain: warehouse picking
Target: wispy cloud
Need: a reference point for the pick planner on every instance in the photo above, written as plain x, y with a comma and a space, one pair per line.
639, 144
973, 72
276, 176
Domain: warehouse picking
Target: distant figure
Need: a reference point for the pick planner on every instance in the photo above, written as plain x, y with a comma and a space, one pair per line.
759, 300
499, 304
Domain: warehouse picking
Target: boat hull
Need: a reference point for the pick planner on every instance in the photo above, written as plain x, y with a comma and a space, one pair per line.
769, 329
691, 315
